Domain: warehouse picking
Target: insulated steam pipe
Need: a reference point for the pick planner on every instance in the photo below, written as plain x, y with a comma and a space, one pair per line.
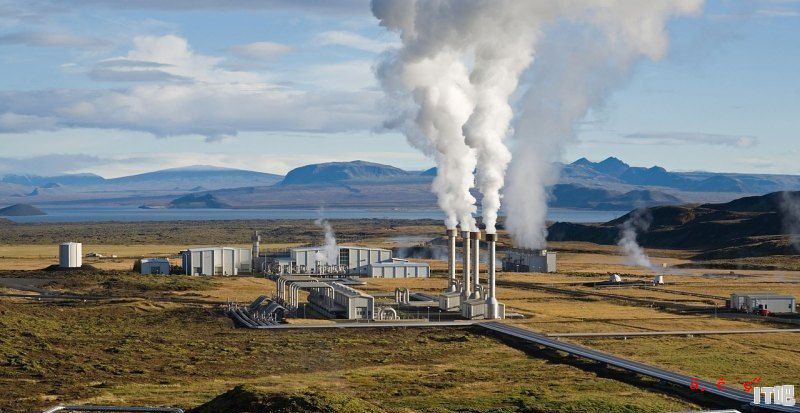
466, 287
451, 261
475, 239
492, 310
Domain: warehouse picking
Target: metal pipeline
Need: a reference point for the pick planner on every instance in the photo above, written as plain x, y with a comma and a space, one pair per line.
466, 287
492, 310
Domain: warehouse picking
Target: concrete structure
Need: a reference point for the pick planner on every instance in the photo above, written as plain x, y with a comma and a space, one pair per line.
154, 266
70, 255
474, 308
217, 261
450, 301
363, 261
523, 260
755, 302
397, 268
329, 298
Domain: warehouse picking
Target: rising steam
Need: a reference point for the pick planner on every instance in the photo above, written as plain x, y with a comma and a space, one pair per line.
639, 220
330, 250
790, 210
460, 64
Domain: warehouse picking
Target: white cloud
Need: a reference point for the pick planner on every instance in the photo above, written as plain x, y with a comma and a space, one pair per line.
260, 51
352, 40
13, 122
670, 138
187, 93
42, 39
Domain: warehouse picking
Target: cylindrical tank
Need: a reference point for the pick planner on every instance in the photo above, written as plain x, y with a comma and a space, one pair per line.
475, 239
70, 255
491, 299
466, 286
658, 280
615, 278
451, 260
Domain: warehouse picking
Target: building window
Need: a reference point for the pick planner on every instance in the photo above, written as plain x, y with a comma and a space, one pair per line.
344, 257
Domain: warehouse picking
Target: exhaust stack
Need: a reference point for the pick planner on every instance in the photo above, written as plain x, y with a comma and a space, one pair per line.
492, 306
466, 287
451, 261
475, 239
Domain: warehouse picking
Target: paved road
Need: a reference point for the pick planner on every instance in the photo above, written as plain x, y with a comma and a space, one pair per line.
734, 395
676, 333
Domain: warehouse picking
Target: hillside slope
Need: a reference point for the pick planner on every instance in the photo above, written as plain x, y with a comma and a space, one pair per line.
750, 226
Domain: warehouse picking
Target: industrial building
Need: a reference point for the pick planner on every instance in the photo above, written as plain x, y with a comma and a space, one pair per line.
70, 255
217, 261
351, 260
327, 297
756, 302
524, 260
154, 266
398, 268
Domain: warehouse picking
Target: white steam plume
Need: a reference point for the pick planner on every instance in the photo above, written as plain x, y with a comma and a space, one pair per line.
790, 210
639, 220
330, 250
460, 63
582, 58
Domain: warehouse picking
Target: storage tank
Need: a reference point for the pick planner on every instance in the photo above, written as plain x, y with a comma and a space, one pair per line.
70, 255
659, 280
615, 278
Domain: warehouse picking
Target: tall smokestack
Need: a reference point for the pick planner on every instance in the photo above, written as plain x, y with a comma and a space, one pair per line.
466, 287
451, 260
492, 310
475, 239
256, 249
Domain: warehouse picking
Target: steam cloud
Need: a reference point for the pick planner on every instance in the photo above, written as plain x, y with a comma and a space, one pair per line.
460, 64
790, 208
639, 220
329, 252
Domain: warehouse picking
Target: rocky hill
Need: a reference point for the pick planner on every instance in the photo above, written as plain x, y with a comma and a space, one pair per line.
749, 226
341, 171
20, 210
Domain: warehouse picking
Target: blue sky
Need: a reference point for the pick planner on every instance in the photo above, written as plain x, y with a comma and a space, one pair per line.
98, 86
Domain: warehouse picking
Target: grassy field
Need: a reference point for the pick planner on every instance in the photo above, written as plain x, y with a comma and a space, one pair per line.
141, 352
136, 347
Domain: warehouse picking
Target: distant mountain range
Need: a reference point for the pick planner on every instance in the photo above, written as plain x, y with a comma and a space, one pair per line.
610, 185
745, 227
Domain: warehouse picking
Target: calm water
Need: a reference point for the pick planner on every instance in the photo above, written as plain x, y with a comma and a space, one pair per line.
136, 214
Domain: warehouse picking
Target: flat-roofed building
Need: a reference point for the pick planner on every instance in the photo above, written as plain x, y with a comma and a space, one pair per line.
217, 260
524, 260
363, 261
398, 268
154, 266
755, 302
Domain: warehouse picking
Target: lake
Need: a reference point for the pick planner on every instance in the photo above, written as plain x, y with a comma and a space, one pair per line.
94, 214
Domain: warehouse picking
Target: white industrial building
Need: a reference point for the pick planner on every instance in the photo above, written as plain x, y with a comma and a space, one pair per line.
217, 261
523, 260
755, 302
154, 266
364, 261
70, 255
398, 268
